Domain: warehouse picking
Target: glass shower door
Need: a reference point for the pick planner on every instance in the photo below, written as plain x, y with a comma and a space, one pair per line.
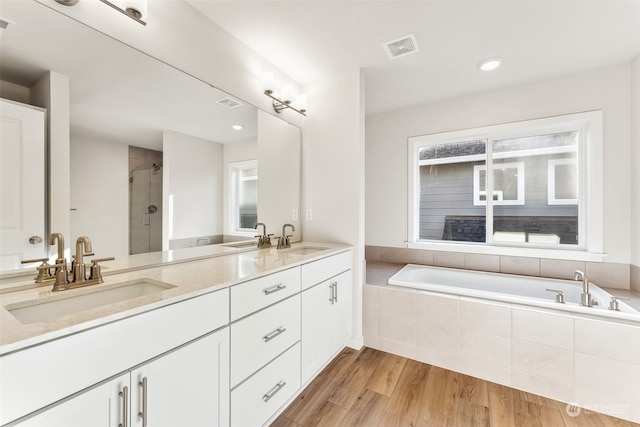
145, 210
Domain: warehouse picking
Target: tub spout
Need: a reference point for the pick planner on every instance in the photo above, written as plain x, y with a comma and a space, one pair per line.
585, 297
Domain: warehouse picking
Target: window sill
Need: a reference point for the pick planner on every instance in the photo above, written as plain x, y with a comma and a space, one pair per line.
562, 254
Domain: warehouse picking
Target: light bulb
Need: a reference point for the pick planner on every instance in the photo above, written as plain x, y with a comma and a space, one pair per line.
267, 82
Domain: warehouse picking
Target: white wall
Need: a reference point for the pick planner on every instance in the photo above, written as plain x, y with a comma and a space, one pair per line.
100, 195
52, 92
192, 187
635, 179
333, 170
279, 149
386, 148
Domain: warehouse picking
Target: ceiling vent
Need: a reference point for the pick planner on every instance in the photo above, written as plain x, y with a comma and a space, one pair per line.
228, 102
4, 23
402, 46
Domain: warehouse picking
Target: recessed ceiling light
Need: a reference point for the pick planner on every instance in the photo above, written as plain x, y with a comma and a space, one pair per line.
489, 64
237, 127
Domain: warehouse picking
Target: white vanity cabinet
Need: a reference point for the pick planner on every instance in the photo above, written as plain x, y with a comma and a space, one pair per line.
187, 386
326, 308
164, 342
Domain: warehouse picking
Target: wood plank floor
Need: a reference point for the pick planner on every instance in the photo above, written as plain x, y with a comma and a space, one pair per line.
373, 388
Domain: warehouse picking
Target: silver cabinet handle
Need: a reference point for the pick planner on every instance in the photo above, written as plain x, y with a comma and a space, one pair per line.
335, 292
331, 292
276, 288
124, 394
143, 414
274, 334
274, 390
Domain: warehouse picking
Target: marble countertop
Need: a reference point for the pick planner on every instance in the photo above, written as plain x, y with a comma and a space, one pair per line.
190, 278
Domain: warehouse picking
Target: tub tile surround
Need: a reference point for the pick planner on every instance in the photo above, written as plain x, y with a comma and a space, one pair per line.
604, 274
635, 278
568, 357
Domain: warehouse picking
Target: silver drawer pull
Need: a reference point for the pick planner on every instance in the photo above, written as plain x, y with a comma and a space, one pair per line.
274, 334
274, 289
143, 413
274, 390
124, 394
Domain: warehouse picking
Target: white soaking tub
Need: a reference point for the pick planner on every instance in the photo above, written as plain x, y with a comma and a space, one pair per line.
534, 291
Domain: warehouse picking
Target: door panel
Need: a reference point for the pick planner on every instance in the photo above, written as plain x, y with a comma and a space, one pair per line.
22, 183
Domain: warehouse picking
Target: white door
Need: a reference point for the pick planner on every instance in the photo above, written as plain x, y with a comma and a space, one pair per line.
187, 387
22, 184
340, 312
315, 328
98, 407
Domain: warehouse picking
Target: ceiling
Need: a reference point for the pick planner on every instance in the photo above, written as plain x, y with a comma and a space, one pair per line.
117, 93
536, 39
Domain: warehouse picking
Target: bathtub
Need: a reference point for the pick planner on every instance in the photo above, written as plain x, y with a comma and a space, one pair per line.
510, 288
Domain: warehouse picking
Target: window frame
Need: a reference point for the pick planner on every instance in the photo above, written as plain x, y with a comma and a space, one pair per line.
551, 182
500, 201
590, 172
234, 210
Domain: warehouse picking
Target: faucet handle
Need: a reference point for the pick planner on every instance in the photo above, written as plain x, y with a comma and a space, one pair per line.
44, 261
95, 272
559, 295
613, 304
61, 275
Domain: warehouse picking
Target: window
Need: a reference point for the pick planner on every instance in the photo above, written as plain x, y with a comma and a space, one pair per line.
543, 177
243, 179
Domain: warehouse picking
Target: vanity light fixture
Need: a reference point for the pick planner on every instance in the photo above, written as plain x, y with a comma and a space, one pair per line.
489, 64
134, 9
286, 97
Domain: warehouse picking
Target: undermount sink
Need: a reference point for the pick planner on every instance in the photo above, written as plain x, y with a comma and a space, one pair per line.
305, 250
59, 305
244, 244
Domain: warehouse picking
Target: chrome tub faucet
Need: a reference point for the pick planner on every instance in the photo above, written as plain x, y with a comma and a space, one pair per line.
585, 297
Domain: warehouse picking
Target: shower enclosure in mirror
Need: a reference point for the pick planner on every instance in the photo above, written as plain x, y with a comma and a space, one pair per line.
145, 200
118, 97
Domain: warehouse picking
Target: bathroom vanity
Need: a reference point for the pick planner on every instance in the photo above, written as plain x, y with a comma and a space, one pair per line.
226, 340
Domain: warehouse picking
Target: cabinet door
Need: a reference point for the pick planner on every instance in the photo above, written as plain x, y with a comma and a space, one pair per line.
316, 302
326, 311
101, 406
186, 387
339, 319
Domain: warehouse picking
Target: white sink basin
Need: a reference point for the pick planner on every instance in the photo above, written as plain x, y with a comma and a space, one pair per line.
244, 244
305, 250
59, 305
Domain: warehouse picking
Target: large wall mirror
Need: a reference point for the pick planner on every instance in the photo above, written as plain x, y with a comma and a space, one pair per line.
159, 160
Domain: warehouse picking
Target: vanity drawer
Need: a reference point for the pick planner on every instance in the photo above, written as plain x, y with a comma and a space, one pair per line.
257, 399
261, 337
321, 270
258, 293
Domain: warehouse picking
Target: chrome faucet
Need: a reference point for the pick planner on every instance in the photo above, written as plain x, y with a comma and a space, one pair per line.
284, 241
83, 247
585, 297
264, 240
